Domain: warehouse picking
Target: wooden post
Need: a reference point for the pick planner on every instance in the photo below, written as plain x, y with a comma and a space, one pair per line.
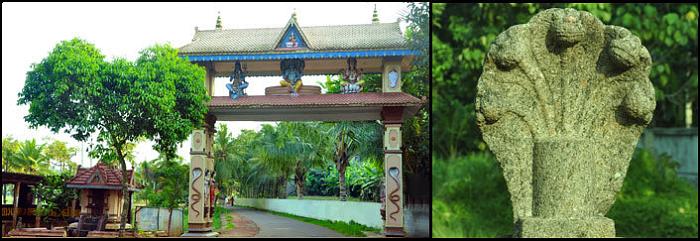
15, 203
37, 217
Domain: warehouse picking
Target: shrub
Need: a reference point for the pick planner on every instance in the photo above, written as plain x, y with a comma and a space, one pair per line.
470, 199
655, 201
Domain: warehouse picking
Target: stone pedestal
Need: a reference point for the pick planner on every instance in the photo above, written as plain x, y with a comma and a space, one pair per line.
596, 227
286, 90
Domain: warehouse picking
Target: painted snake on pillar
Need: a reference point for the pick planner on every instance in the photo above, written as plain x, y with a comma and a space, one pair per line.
196, 173
393, 197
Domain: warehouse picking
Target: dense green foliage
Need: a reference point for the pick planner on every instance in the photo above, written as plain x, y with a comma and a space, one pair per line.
161, 182
364, 179
160, 97
462, 34
654, 201
53, 195
471, 199
261, 164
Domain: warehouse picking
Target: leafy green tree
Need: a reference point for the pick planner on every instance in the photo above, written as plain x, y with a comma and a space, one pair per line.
59, 152
107, 155
173, 189
10, 147
160, 97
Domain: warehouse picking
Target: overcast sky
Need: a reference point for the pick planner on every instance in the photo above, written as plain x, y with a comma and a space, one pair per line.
31, 30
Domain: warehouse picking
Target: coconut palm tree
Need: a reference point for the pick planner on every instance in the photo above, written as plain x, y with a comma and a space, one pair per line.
30, 158
315, 149
353, 139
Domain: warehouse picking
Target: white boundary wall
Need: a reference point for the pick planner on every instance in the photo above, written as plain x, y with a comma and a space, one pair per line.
365, 213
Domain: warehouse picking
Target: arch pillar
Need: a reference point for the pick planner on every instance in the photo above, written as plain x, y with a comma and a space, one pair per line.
200, 206
393, 172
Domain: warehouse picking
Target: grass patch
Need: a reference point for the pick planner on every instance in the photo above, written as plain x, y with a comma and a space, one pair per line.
185, 220
229, 222
470, 198
351, 229
217, 217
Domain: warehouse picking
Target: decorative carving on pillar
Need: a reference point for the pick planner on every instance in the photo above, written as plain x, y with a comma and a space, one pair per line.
197, 141
197, 196
391, 76
393, 196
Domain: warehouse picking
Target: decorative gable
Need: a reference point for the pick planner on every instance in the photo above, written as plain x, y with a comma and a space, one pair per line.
95, 178
291, 38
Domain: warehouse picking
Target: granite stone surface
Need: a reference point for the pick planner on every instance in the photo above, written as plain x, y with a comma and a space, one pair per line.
561, 102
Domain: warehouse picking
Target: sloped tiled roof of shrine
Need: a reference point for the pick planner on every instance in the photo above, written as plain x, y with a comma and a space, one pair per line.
100, 176
375, 36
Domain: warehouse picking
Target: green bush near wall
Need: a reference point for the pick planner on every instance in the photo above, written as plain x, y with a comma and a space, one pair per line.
470, 199
655, 201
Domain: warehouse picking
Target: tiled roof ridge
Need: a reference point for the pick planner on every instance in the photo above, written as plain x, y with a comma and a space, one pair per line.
300, 26
109, 176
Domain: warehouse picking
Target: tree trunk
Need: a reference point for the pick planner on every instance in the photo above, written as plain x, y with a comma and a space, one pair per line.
341, 182
125, 192
342, 165
282, 189
299, 177
170, 218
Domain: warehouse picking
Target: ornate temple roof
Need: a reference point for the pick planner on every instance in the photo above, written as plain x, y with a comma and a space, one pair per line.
100, 176
295, 41
321, 38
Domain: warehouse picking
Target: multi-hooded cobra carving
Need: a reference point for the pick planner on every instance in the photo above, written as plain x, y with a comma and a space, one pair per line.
561, 102
197, 196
